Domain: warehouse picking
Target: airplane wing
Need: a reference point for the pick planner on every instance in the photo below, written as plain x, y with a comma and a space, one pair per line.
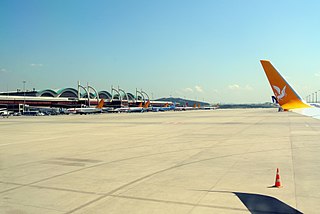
292, 101
310, 112
289, 98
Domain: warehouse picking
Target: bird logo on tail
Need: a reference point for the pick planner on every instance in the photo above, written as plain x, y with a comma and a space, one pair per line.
280, 94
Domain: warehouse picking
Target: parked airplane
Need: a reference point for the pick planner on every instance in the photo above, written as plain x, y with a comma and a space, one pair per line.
5, 113
156, 109
284, 94
88, 110
166, 107
185, 108
208, 107
140, 108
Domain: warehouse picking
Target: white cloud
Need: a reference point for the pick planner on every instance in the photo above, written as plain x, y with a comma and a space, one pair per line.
317, 74
188, 90
238, 87
198, 88
234, 87
3, 71
36, 65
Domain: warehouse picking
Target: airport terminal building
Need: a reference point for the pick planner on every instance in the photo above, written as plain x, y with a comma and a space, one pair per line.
71, 98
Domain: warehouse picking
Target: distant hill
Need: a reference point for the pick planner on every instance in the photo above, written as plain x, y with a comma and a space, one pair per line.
183, 102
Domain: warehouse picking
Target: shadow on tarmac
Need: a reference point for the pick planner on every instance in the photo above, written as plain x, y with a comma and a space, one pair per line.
264, 204
260, 204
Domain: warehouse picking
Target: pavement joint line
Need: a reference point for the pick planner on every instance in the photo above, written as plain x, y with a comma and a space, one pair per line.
100, 164
289, 145
177, 202
32, 141
70, 172
241, 130
53, 188
158, 172
212, 187
216, 143
121, 187
92, 166
104, 163
46, 208
223, 140
206, 193
293, 168
66, 190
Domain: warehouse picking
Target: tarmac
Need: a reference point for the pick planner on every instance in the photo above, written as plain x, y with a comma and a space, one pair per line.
221, 161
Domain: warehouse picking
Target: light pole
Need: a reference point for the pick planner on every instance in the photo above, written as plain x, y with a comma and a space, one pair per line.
24, 95
312, 97
316, 96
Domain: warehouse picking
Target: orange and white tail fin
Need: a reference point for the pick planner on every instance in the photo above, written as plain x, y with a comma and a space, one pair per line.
286, 96
140, 104
147, 104
100, 104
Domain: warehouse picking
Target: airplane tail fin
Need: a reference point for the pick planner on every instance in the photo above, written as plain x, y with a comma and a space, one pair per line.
147, 104
140, 104
100, 104
166, 105
284, 93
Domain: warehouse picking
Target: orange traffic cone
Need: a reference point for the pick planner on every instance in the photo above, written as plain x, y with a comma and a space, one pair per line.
277, 183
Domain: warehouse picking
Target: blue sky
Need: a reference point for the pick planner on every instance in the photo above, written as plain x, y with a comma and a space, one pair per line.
206, 50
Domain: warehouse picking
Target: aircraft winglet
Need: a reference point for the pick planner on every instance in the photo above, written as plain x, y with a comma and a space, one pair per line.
286, 96
146, 105
100, 104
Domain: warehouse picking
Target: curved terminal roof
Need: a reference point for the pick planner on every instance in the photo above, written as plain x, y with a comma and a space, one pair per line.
73, 93
140, 98
116, 97
92, 95
104, 95
131, 96
68, 92
47, 93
